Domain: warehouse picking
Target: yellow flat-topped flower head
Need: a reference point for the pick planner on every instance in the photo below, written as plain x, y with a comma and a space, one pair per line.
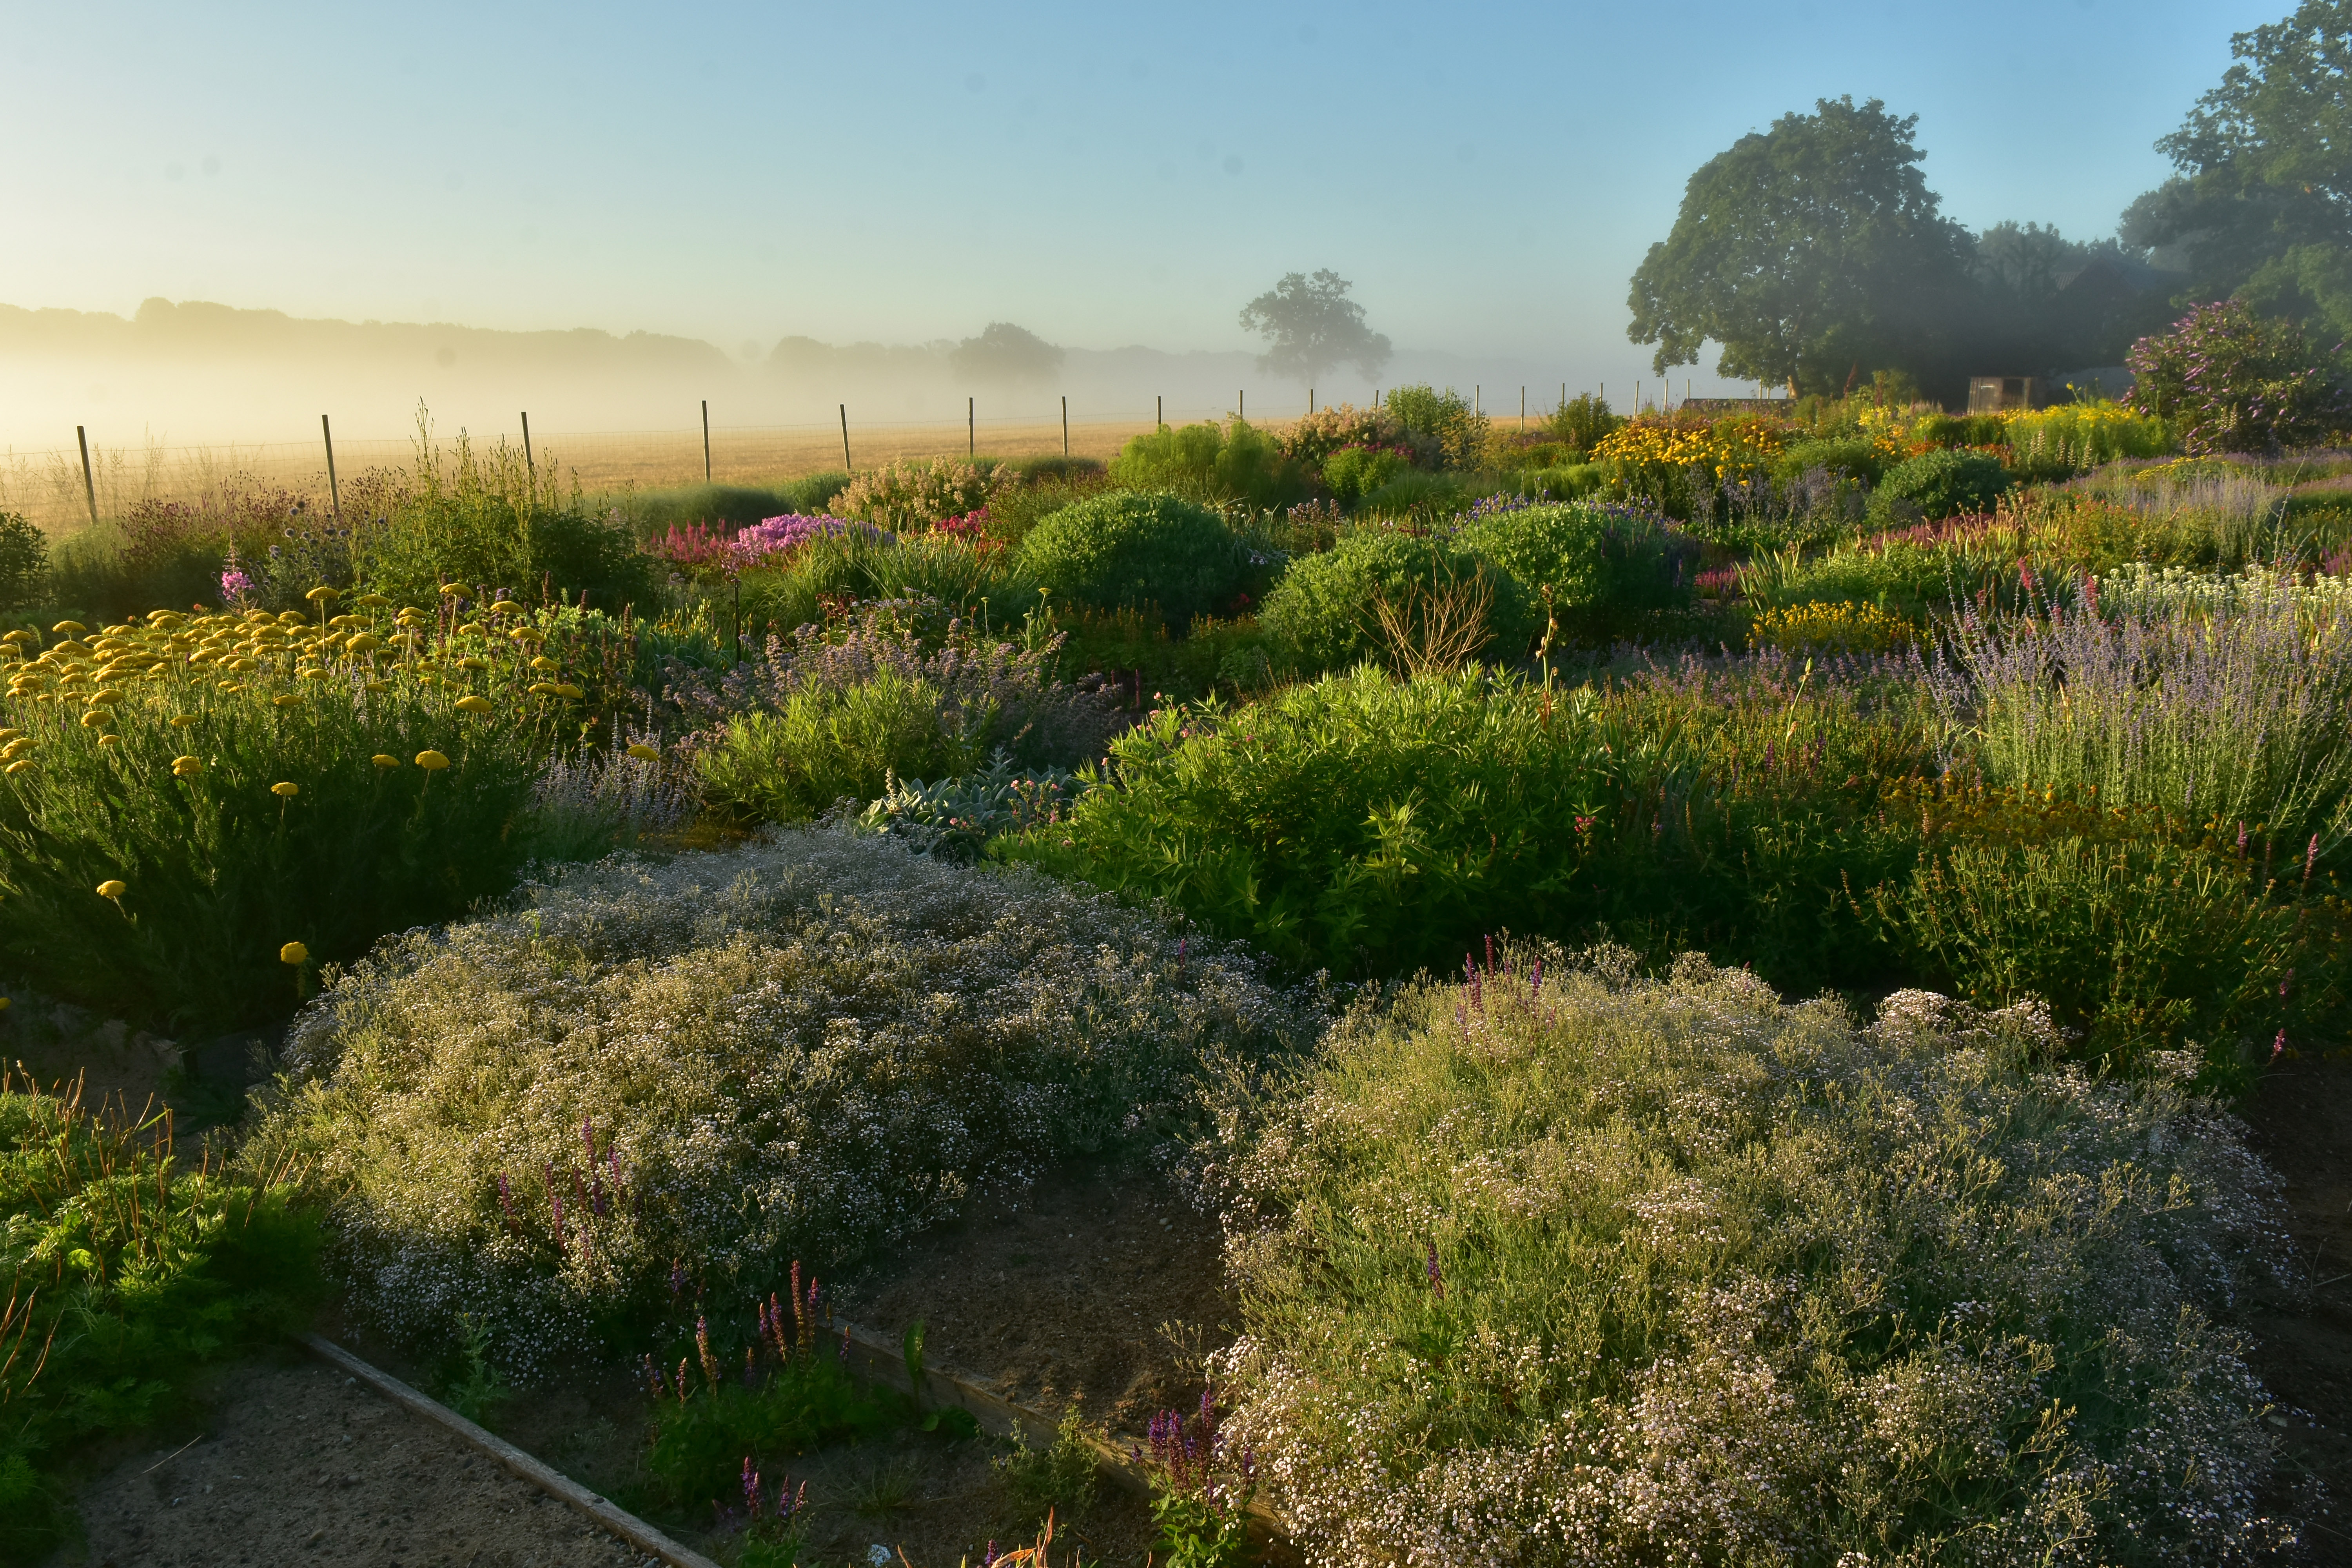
645, 753
186, 767
284, 791
474, 705
324, 595
68, 628
385, 760
293, 952
432, 762
112, 888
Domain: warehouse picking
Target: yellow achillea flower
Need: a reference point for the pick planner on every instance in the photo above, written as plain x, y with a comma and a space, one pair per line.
474, 705
113, 889
284, 791
18, 766
181, 721
94, 718
285, 700
432, 762
186, 767
643, 752
385, 760
545, 665
293, 952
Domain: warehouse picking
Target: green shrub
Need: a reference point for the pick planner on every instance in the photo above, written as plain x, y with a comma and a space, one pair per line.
1207, 462
24, 563
1443, 423
651, 514
1603, 565
1131, 551
1233, 656
708, 1426
218, 868
1425, 498
91, 573
488, 521
809, 1047
1580, 422
2135, 934
831, 715
1325, 610
1851, 457
1585, 1267
1058, 1479
1016, 509
1936, 484
1372, 826
1353, 472
123, 1270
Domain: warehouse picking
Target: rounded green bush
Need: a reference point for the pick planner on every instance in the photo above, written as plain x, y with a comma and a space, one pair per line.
1601, 562
1325, 608
1128, 550
1937, 484
1852, 456
1353, 472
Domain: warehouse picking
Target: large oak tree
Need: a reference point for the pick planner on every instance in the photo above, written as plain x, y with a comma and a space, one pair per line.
1809, 252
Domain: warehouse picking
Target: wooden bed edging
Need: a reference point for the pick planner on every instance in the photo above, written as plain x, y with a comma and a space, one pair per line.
557, 1485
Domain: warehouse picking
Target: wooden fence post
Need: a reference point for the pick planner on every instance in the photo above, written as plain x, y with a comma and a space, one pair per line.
334, 491
1066, 424
845, 435
529, 461
88, 485
705, 441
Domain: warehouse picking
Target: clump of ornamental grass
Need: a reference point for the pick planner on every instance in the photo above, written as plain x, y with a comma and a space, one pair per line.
806, 1047
1560, 1264
247, 780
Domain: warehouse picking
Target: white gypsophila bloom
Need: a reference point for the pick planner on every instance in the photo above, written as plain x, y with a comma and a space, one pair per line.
799, 1049
1696, 1277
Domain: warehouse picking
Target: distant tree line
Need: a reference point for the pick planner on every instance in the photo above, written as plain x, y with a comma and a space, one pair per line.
1814, 254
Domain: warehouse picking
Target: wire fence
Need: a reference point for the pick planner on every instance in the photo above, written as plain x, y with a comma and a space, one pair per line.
52, 487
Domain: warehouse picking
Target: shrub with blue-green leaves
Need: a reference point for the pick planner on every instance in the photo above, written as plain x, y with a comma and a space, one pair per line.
1937, 484
1559, 1264
809, 1047
1135, 549
1602, 564
1325, 611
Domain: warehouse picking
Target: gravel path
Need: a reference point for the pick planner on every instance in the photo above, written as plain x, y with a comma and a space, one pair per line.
299, 1465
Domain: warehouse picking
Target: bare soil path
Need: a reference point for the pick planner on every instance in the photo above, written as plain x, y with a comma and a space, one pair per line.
298, 1464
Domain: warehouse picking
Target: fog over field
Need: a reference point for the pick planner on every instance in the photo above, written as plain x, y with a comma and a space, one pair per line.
196, 373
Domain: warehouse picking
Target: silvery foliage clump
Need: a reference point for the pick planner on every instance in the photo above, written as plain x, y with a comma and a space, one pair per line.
1710, 1278
955, 818
1001, 693
623, 795
804, 1047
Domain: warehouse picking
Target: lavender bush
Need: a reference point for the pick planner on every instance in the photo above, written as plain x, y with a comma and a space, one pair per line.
1557, 1266
2235, 715
805, 1048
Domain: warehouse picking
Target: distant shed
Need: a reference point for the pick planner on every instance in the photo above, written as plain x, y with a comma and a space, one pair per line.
1997, 394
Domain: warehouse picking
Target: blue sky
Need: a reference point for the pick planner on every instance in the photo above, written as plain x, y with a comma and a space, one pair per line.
1488, 177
